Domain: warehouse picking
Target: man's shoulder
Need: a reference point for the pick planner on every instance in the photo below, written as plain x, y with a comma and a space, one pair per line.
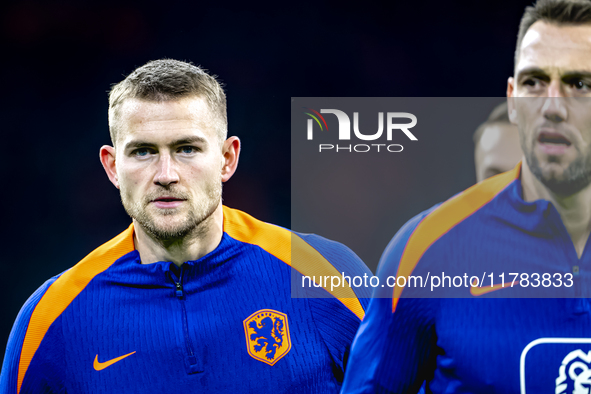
58, 292
308, 255
43, 309
61, 289
429, 227
100, 259
285, 244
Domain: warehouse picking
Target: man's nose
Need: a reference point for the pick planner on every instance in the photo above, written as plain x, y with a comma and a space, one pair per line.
555, 88
554, 108
166, 172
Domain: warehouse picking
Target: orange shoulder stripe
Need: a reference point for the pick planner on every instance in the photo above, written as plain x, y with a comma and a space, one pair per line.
63, 291
445, 217
284, 244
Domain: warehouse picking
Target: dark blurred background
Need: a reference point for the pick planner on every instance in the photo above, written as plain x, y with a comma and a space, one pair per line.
363, 197
61, 57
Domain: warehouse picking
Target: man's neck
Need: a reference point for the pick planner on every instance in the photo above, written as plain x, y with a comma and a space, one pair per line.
197, 244
574, 210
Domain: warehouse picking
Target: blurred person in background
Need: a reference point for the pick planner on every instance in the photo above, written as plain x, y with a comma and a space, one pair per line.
496, 144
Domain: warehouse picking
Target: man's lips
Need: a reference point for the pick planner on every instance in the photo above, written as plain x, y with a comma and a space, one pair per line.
167, 202
553, 137
553, 143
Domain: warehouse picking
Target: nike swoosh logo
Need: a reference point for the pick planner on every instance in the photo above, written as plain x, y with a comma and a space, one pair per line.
478, 291
100, 366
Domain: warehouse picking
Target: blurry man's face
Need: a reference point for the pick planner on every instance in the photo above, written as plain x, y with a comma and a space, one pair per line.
169, 160
552, 105
497, 150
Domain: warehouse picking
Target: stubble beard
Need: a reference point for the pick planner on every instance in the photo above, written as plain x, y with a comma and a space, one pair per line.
194, 222
574, 178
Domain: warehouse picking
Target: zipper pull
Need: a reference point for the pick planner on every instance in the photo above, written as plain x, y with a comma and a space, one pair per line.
179, 289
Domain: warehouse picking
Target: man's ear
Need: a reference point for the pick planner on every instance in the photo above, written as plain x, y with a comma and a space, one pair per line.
231, 153
511, 101
107, 156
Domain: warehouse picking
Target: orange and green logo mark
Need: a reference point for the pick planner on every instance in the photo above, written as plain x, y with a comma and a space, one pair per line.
267, 335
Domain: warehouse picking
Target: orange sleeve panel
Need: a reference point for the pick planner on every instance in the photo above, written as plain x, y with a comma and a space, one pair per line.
445, 217
289, 248
63, 291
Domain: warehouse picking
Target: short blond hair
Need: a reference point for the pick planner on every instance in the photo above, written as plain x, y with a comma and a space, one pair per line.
168, 80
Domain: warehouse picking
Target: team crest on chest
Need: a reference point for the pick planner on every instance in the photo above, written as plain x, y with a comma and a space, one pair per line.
267, 335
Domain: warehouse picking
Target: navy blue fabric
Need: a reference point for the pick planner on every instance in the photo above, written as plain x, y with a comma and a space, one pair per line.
9, 375
189, 341
459, 343
336, 335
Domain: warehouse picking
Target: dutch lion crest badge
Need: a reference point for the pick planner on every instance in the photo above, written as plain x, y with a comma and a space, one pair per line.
267, 335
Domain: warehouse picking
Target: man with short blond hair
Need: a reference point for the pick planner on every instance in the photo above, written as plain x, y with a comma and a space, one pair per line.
193, 296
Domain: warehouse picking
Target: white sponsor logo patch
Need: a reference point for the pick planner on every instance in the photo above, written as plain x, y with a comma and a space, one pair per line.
575, 368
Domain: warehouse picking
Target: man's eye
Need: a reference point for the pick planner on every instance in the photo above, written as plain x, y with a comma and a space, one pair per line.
188, 149
532, 82
580, 85
141, 152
